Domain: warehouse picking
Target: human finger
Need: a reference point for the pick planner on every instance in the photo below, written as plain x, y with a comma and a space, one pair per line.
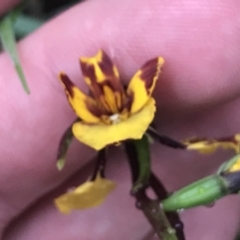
7, 4
43, 56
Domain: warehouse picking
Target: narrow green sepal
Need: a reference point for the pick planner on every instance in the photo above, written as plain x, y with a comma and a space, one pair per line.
164, 139
60, 163
9, 44
63, 147
150, 139
202, 192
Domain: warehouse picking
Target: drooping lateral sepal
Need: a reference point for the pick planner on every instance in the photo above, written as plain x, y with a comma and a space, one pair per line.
208, 145
90, 194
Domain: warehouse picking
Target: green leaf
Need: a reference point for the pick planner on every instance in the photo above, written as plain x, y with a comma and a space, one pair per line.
9, 44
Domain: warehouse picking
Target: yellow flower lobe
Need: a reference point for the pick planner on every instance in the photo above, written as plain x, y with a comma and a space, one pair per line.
89, 194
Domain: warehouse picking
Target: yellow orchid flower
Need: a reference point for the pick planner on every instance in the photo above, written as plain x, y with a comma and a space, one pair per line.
108, 116
111, 114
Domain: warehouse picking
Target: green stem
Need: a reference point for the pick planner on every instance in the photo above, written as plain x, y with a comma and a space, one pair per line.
151, 208
144, 163
156, 216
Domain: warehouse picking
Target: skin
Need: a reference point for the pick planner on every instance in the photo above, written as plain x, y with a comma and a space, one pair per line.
197, 95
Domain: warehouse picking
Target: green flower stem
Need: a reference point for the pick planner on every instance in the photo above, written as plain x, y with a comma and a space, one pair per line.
151, 208
156, 216
173, 217
144, 163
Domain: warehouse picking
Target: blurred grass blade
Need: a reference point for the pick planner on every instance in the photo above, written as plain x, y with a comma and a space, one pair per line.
25, 25
9, 44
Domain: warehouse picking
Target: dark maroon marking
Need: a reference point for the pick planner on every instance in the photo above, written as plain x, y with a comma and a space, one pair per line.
197, 140
112, 81
113, 84
103, 110
94, 109
88, 71
212, 140
106, 65
149, 70
228, 139
128, 101
96, 89
67, 83
97, 92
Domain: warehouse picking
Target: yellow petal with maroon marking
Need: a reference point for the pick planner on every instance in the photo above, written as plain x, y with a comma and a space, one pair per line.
102, 77
210, 145
143, 83
83, 105
99, 136
98, 68
88, 195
